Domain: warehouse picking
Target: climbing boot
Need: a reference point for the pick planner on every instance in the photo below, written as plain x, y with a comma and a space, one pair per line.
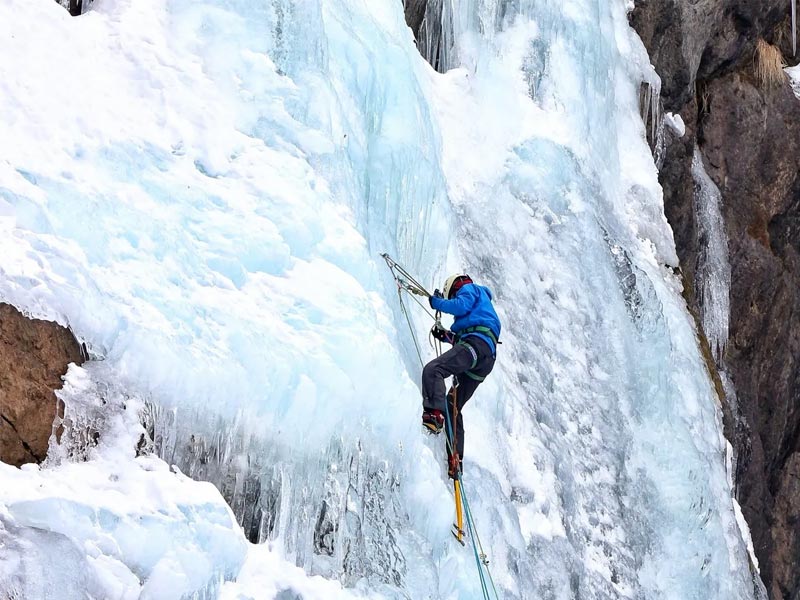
433, 420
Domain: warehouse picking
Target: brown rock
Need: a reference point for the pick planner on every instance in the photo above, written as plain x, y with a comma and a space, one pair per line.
752, 143
691, 40
34, 355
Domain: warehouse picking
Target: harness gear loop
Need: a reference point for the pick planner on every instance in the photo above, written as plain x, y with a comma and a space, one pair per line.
472, 352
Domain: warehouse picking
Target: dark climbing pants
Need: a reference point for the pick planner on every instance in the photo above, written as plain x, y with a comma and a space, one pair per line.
472, 355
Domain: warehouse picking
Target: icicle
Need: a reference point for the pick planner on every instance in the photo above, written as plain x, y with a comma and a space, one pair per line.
436, 43
659, 144
644, 102
448, 54
650, 110
713, 274
655, 109
448, 21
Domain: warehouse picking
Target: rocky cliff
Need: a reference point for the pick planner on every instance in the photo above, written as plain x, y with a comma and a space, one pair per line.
34, 355
717, 62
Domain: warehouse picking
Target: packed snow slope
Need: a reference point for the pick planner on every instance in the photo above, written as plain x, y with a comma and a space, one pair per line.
201, 189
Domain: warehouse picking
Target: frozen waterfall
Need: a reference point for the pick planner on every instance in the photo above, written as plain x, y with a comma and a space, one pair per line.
201, 189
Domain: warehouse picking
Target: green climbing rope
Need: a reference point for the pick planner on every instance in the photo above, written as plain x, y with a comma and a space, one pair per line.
481, 560
405, 282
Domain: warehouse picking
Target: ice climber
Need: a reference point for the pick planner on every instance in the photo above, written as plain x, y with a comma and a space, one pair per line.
474, 335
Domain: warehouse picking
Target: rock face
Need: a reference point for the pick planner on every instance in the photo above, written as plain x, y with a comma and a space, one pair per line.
748, 133
424, 17
34, 354
415, 13
691, 40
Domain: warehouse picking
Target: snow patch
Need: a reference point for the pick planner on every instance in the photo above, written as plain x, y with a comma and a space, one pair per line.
132, 529
794, 78
675, 123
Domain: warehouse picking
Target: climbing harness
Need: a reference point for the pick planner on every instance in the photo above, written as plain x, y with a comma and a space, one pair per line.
479, 329
460, 340
406, 283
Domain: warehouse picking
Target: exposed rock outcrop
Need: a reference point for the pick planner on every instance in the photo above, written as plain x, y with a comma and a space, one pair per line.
424, 17
691, 40
34, 355
748, 133
76, 7
752, 146
415, 13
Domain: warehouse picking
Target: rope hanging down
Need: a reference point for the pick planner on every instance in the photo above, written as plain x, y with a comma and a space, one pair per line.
481, 560
406, 282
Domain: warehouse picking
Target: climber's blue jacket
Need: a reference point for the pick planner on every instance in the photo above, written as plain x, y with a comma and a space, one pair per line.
472, 308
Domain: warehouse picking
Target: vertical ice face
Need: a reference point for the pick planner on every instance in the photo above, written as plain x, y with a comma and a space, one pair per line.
713, 271
217, 243
603, 428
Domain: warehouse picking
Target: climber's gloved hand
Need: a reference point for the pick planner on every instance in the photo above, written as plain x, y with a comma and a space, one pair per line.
442, 334
436, 294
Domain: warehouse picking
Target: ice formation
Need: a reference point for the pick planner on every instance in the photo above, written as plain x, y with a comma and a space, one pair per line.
201, 189
713, 271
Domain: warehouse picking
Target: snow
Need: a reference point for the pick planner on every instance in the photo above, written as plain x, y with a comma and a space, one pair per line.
266, 575
134, 530
201, 190
675, 123
127, 529
118, 526
794, 78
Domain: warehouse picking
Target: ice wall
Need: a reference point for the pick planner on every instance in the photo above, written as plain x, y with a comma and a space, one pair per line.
209, 219
607, 387
210, 227
119, 526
